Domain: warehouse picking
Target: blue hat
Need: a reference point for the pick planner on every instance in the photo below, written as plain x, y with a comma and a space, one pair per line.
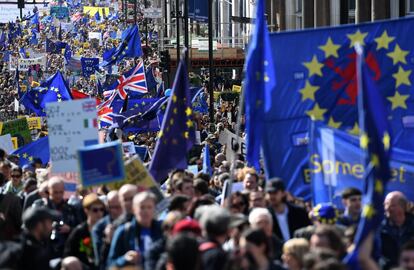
167, 92
325, 213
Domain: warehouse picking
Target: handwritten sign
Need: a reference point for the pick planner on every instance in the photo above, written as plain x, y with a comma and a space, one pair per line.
6, 143
34, 123
72, 125
25, 64
17, 128
101, 164
230, 140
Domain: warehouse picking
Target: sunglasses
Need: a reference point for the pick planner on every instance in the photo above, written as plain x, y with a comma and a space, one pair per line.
96, 210
16, 175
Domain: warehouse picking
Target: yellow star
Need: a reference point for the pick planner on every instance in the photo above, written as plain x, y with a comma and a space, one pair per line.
398, 101
368, 211
175, 111
386, 140
402, 77
30, 158
333, 124
266, 78
364, 141
189, 123
160, 134
143, 103
174, 98
18, 155
171, 121
354, 130
308, 92
330, 48
136, 105
375, 160
357, 37
379, 187
25, 156
314, 67
188, 111
384, 40
398, 55
316, 113
186, 134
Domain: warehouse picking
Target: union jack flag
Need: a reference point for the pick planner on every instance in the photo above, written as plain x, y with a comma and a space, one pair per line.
133, 80
105, 116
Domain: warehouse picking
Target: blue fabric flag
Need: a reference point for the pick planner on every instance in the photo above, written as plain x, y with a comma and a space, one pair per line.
130, 46
199, 102
316, 81
206, 161
97, 17
376, 140
68, 53
54, 47
34, 19
2, 40
260, 80
151, 82
89, 66
33, 39
53, 89
177, 134
36, 149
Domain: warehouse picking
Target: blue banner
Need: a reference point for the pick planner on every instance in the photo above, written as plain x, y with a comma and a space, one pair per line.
198, 10
316, 81
101, 163
89, 66
337, 162
59, 12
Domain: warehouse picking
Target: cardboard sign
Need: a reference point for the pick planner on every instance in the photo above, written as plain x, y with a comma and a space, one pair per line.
128, 148
137, 174
34, 123
72, 125
236, 88
17, 128
101, 164
14, 142
6, 143
25, 64
230, 140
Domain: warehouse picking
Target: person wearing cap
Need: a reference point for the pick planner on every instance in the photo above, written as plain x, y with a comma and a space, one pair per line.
287, 218
79, 243
37, 223
351, 200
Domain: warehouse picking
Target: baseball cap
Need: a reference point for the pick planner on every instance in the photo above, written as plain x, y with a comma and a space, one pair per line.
187, 225
33, 215
275, 184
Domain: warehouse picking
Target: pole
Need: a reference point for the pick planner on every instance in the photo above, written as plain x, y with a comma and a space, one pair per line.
165, 18
210, 59
146, 25
21, 13
186, 39
135, 11
177, 21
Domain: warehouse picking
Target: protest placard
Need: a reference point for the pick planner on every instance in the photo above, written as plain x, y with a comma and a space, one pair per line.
128, 148
101, 164
59, 12
25, 64
34, 123
91, 11
72, 124
141, 151
230, 140
193, 169
17, 128
236, 88
6, 143
14, 142
137, 174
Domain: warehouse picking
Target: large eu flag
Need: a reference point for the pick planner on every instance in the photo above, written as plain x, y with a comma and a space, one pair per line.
260, 80
54, 89
376, 140
36, 149
177, 133
316, 81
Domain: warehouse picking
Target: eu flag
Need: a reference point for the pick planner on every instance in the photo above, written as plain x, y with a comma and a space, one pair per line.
36, 149
260, 80
206, 161
199, 102
316, 81
130, 46
375, 139
177, 133
53, 89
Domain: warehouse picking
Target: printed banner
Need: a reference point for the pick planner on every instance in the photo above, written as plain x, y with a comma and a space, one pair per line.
59, 12
19, 129
25, 64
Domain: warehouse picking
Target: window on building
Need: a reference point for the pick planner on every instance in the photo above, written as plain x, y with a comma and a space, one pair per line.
351, 11
410, 7
298, 13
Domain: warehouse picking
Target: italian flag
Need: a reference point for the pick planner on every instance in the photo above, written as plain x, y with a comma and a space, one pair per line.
90, 123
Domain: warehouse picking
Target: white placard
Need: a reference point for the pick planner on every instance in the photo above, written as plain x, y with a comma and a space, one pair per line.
6, 143
24, 64
152, 13
72, 124
10, 12
128, 148
230, 139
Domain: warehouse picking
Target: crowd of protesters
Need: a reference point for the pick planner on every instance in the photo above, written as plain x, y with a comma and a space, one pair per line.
260, 226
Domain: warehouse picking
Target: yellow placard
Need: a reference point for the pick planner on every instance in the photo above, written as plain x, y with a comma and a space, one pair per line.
34, 123
236, 88
216, 95
14, 142
91, 11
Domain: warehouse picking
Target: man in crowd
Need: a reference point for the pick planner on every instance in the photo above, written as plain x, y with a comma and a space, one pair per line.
351, 200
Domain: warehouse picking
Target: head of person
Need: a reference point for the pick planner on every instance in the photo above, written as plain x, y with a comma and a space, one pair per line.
407, 256
260, 218
351, 200
249, 178
114, 205
324, 213
144, 208
275, 192
179, 203
238, 202
38, 221
71, 263
395, 205
214, 221
93, 207
257, 199
294, 251
200, 187
16, 175
327, 236
175, 175
255, 243
172, 218
184, 186
183, 253
5, 168
56, 189
30, 185
126, 195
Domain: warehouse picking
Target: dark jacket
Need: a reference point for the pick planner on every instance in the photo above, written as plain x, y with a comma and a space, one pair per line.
393, 237
153, 254
10, 216
297, 218
31, 198
35, 255
126, 238
213, 257
101, 249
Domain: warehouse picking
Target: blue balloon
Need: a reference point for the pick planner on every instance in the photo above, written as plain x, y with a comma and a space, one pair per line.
168, 92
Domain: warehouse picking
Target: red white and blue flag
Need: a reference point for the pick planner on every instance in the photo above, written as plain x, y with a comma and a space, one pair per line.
133, 80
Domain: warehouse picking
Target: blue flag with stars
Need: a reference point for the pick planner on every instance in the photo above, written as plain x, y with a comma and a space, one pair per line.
375, 139
260, 80
316, 81
54, 89
177, 133
130, 46
206, 161
36, 149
